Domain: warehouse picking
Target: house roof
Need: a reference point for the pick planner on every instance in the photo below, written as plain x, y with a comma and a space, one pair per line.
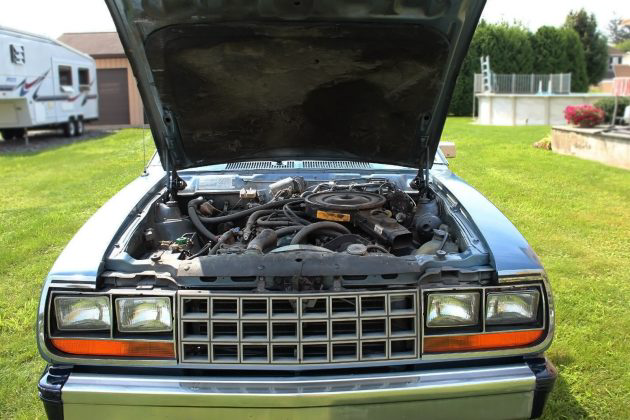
614, 51
96, 44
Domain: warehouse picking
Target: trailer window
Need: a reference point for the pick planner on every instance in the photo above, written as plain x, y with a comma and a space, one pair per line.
84, 80
65, 77
17, 54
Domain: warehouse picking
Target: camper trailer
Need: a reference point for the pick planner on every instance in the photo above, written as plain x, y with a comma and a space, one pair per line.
44, 84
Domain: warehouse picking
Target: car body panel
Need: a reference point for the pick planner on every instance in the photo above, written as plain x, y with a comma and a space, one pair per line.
510, 253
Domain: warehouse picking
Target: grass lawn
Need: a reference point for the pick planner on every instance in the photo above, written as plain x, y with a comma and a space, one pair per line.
575, 213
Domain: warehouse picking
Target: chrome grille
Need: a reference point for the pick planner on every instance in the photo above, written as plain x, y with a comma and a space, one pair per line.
298, 328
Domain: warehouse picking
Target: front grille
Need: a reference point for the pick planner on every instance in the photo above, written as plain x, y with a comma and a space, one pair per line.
298, 328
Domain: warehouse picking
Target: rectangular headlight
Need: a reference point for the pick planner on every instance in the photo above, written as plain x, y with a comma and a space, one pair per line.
512, 307
453, 309
144, 314
87, 313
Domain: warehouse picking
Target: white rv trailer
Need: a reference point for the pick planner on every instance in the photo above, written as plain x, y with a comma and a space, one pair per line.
44, 84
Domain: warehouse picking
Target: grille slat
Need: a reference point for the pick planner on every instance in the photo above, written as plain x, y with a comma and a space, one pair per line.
279, 328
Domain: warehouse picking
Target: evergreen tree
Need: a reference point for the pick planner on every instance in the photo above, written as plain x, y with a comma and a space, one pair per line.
593, 42
618, 32
576, 62
510, 51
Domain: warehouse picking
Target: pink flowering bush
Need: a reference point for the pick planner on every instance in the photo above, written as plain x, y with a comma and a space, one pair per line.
584, 116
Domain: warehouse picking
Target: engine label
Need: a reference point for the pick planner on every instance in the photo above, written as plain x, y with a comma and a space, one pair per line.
335, 217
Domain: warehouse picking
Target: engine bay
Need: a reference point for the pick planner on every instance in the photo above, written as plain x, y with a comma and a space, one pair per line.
369, 217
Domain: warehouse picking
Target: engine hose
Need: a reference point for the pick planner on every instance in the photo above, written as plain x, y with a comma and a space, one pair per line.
291, 215
251, 221
262, 222
243, 213
308, 230
288, 230
223, 239
194, 218
264, 240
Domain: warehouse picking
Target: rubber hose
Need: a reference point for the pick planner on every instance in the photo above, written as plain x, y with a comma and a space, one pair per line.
290, 214
224, 238
264, 240
288, 230
243, 213
247, 231
307, 230
194, 218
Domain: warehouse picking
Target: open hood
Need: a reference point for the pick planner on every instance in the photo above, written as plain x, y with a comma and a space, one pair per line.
226, 81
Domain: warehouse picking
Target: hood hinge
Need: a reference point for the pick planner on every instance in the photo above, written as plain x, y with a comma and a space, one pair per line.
175, 184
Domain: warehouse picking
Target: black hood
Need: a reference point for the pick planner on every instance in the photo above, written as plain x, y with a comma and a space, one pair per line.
276, 80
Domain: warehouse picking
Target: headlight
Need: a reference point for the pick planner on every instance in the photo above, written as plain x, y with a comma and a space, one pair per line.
453, 309
144, 314
82, 313
512, 307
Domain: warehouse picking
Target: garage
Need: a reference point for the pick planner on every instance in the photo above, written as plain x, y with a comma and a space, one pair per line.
113, 94
118, 97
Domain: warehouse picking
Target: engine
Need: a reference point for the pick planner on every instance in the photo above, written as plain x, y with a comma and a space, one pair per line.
289, 215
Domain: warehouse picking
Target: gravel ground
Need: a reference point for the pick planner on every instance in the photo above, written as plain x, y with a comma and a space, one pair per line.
39, 140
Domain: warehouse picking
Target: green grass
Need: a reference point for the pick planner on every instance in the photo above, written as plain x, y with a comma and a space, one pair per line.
575, 213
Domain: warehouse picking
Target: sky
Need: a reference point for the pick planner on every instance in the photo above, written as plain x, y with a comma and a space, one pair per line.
48, 17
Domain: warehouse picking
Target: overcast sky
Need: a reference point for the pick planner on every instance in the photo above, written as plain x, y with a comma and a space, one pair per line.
54, 17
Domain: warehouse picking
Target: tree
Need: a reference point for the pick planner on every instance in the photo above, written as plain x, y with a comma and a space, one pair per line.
618, 32
624, 45
593, 42
510, 51
576, 62
550, 50
558, 50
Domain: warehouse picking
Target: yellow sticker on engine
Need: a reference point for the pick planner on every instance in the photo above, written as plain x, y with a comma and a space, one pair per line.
335, 217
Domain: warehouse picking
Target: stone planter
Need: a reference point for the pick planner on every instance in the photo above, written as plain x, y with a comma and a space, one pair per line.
608, 147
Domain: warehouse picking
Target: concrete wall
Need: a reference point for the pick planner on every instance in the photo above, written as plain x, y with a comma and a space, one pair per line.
610, 148
514, 109
136, 110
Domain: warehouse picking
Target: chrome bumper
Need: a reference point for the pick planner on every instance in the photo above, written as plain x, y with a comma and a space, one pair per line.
497, 392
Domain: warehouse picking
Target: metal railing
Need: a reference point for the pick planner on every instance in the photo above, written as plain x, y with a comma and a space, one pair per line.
559, 83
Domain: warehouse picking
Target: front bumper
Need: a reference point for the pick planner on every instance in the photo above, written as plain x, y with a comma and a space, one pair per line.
515, 390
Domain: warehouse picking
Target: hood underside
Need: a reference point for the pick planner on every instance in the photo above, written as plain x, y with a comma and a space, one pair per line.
326, 81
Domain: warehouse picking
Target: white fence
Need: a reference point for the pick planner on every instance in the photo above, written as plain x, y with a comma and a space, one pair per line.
559, 83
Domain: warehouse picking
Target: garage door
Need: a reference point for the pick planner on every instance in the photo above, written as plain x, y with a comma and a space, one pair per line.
113, 96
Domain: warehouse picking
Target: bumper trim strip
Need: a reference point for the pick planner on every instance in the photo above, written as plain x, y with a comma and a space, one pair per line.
282, 392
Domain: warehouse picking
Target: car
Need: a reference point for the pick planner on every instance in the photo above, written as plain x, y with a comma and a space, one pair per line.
298, 246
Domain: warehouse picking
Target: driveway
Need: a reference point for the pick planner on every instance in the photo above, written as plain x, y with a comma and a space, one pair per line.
39, 140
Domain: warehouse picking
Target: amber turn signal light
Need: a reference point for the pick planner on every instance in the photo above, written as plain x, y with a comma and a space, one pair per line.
492, 341
152, 349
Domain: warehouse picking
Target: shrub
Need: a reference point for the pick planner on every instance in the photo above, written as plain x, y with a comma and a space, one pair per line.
608, 105
584, 116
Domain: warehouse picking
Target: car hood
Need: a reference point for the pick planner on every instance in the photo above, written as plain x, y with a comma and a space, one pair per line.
278, 80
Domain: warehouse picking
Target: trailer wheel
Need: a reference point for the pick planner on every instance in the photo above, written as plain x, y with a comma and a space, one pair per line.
69, 129
7, 134
79, 127
13, 133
